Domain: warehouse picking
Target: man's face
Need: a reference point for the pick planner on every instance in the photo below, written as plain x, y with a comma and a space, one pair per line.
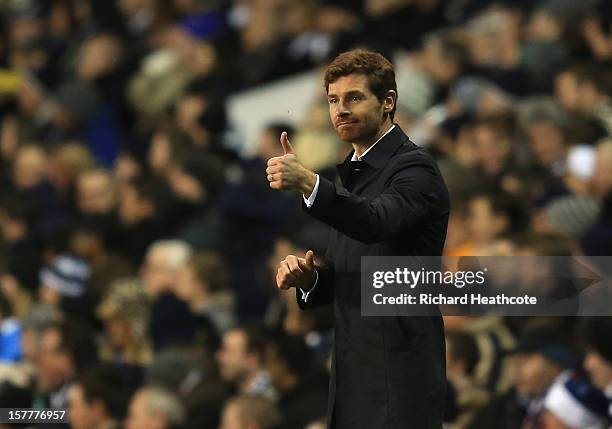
549, 421
492, 149
119, 331
82, 414
566, 90
534, 374
52, 365
599, 370
232, 356
546, 143
139, 416
187, 283
356, 113
95, 193
602, 176
484, 224
98, 57
29, 167
157, 274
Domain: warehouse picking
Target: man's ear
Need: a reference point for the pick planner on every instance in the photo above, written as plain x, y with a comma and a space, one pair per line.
389, 101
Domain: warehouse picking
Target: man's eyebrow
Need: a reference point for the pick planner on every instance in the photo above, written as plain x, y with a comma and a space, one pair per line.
348, 93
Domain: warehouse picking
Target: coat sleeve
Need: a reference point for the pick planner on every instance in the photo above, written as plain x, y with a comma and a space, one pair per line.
412, 192
323, 293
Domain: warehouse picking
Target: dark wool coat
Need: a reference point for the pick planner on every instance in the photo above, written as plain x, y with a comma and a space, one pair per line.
387, 372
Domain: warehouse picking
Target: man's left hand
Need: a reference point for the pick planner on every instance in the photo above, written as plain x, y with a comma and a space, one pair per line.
286, 172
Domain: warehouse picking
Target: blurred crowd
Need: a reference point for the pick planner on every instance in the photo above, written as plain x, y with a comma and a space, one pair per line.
139, 245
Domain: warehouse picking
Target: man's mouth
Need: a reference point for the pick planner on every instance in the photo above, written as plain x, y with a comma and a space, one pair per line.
344, 123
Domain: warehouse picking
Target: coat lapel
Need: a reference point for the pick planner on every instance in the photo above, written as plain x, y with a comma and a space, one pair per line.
356, 174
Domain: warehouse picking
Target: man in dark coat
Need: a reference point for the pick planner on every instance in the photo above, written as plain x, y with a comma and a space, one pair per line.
387, 372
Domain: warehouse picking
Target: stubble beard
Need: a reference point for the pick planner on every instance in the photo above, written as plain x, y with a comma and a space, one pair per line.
356, 134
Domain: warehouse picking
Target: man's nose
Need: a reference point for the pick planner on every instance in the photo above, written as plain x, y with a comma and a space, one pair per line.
342, 110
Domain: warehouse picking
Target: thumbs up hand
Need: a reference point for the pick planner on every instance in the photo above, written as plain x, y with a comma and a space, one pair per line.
286, 172
296, 272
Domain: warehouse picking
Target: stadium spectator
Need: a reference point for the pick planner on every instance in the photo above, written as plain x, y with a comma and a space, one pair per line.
542, 355
598, 360
125, 312
65, 349
204, 284
97, 399
302, 392
492, 215
250, 412
194, 378
170, 322
155, 408
96, 194
89, 241
462, 356
574, 403
140, 213
241, 361
66, 164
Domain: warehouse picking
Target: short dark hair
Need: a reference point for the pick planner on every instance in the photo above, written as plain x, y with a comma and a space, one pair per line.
77, 342
597, 332
378, 69
106, 384
463, 347
506, 204
598, 75
501, 124
292, 350
209, 267
257, 338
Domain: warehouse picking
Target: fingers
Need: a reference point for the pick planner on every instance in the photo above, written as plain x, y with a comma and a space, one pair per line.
274, 170
281, 282
274, 161
281, 171
288, 272
294, 266
275, 176
287, 148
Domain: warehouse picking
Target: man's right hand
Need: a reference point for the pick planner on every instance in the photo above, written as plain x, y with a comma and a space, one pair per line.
296, 272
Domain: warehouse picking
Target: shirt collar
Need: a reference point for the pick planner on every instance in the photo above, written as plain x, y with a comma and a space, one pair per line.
360, 158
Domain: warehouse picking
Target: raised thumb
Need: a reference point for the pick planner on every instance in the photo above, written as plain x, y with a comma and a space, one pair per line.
287, 148
310, 259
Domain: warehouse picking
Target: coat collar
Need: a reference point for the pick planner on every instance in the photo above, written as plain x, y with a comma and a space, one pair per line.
382, 151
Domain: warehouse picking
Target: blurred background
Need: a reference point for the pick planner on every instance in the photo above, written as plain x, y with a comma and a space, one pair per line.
139, 238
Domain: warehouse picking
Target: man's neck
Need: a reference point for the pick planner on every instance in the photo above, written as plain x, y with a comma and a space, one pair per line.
361, 147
